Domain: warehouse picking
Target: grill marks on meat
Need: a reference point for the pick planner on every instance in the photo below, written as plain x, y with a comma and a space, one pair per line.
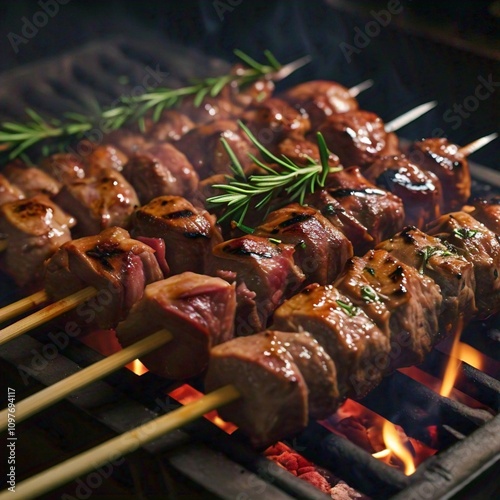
321, 250
197, 310
358, 137
420, 190
346, 333
34, 229
444, 159
161, 170
451, 272
113, 263
480, 246
413, 301
320, 99
380, 212
265, 274
99, 202
189, 234
274, 400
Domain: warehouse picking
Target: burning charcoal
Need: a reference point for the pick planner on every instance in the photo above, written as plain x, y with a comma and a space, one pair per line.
99, 202
481, 247
274, 400
32, 230
321, 250
113, 263
452, 272
420, 190
197, 310
189, 234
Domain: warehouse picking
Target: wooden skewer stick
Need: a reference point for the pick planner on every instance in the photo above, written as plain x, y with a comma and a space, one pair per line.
476, 145
360, 87
290, 68
23, 305
47, 313
409, 116
121, 445
47, 397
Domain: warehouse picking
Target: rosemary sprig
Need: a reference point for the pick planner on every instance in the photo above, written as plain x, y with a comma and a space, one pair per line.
294, 180
15, 138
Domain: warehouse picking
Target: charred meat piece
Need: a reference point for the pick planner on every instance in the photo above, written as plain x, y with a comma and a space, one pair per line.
358, 137
31, 180
452, 272
273, 120
342, 219
9, 192
113, 263
320, 99
64, 167
32, 230
171, 126
274, 394
381, 212
444, 159
488, 213
321, 250
301, 151
99, 202
162, 170
265, 274
104, 157
412, 299
197, 310
189, 234
204, 149
347, 334
420, 190
481, 247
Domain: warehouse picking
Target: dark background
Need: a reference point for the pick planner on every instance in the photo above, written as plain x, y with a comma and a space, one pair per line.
429, 51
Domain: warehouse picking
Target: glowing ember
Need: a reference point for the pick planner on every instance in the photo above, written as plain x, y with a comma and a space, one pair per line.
137, 367
186, 394
394, 443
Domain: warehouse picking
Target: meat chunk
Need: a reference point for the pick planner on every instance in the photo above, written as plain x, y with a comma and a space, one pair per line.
452, 272
9, 192
127, 141
32, 229
444, 159
171, 126
358, 137
64, 167
320, 99
346, 333
321, 250
274, 394
105, 156
481, 247
488, 213
380, 212
413, 301
204, 149
420, 190
265, 274
111, 262
273, 120
189, 234
301, 151
162, 170
197, 310
31, 180
342, 219
99, 202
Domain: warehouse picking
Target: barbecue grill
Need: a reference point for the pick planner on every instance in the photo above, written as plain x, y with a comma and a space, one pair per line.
201, 460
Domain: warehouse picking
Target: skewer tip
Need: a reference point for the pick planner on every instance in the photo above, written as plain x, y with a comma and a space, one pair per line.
360, 87
290, 68
476, 145
409, 116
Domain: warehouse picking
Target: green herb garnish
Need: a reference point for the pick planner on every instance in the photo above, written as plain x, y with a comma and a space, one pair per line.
464, 233
348, 308
368, 294
427, 253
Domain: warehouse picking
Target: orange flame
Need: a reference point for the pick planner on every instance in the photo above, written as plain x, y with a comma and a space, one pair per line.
137, 367
395, 445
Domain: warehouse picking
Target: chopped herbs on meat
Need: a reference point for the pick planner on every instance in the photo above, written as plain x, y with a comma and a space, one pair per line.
348, 308
464, 233
428, 252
